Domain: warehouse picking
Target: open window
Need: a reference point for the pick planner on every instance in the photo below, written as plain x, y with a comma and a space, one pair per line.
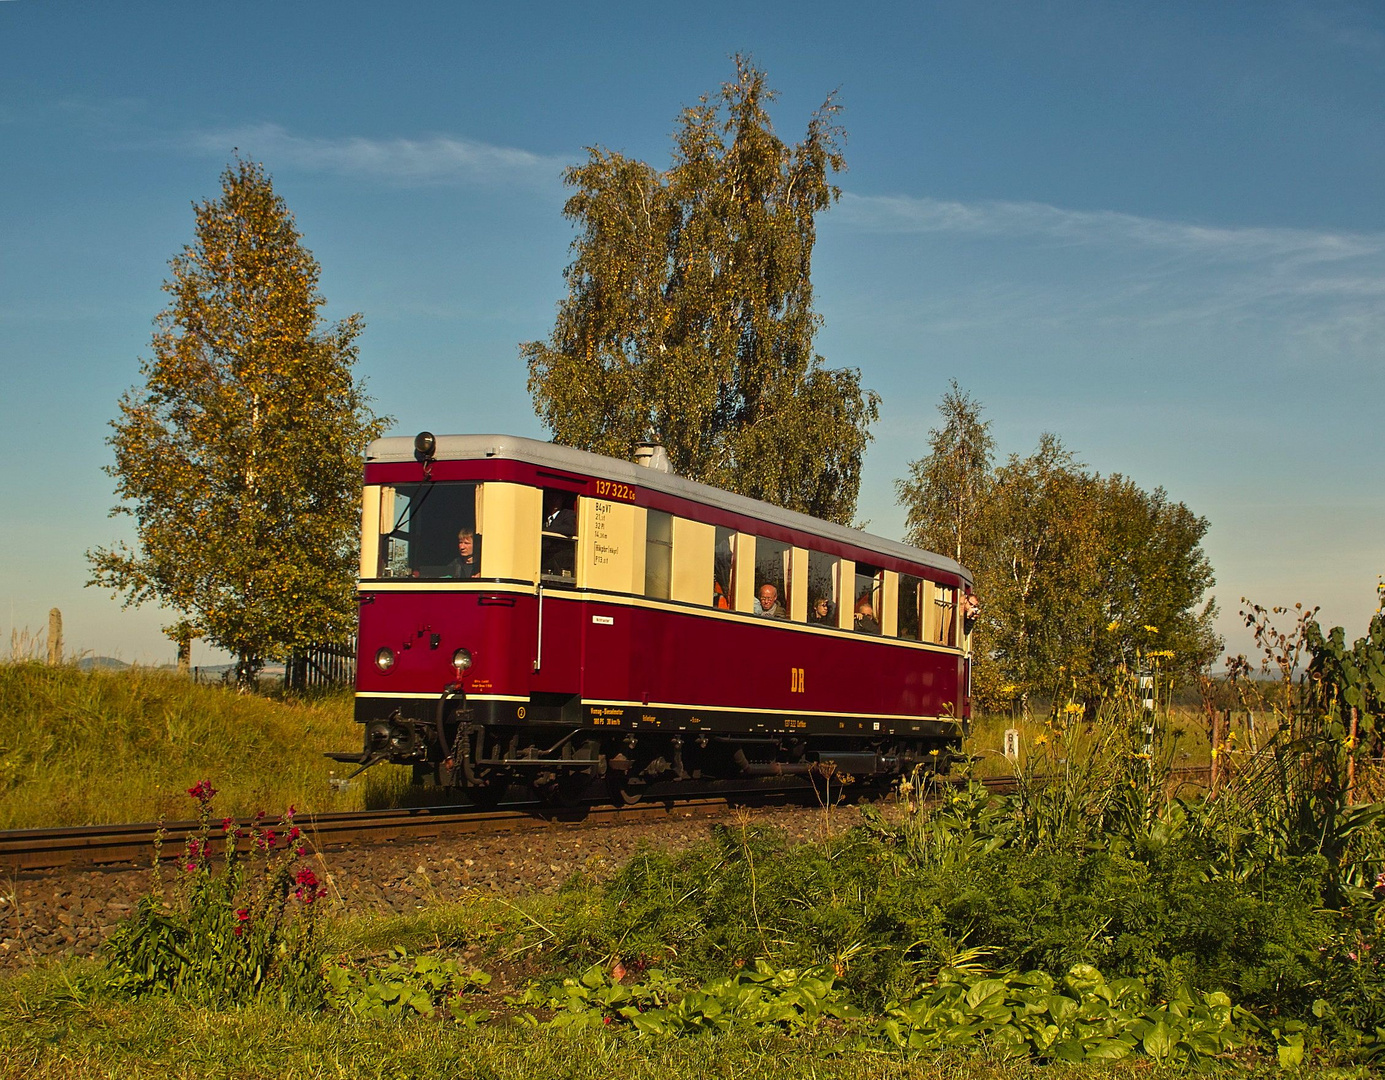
824, 588
723, 591
911, 594
870, 583
430, 531
558, 542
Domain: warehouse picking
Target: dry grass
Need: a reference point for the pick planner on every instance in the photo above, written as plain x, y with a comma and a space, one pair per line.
98, 747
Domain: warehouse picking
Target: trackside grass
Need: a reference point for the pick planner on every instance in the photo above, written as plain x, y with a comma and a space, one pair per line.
54, 1025
99, 747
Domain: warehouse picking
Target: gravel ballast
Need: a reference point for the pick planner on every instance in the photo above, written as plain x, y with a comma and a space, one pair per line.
74, 910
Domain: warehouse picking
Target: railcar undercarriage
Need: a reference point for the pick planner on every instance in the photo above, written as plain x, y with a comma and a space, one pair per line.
565, 763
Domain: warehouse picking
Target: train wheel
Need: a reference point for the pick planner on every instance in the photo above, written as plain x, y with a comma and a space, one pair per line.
622, 792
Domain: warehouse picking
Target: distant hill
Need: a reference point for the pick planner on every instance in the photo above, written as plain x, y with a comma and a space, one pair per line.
87, 663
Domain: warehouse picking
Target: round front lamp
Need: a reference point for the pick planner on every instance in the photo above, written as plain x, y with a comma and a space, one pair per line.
461, 660
425, 446
384, 659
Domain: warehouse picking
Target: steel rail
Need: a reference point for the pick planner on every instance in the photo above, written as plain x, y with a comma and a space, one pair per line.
28, 850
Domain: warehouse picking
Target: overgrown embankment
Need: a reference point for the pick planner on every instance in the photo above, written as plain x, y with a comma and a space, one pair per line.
97, 747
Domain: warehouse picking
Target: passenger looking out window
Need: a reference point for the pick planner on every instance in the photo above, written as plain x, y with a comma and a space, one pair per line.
870, 582
558, 546
769, 606
865, 621
824, 574
467, 564
773, 563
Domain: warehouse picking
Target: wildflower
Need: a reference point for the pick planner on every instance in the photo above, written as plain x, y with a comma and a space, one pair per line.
1150, 629
1113, 626
190, 867
288, 814
1041, 738
1072, 708
300, 851
605, 1019
270, 838
202, 791
238, 931
228, 824
242, 915
294, 833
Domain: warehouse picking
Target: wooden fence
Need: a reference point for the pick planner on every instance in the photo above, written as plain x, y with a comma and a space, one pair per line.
321, 666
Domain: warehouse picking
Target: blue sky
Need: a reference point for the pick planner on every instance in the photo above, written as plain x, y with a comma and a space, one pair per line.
1155, 229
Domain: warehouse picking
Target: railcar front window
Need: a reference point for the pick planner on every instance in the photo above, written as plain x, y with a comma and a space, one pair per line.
430, 531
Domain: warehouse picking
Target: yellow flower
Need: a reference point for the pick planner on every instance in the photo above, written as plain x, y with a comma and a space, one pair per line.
1113, 626
1151, 629
1040, 739
1072, 707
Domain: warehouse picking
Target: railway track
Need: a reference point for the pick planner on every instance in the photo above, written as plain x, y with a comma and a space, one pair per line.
27, 850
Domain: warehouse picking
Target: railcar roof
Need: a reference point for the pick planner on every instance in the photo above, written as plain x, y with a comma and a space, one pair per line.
552, 455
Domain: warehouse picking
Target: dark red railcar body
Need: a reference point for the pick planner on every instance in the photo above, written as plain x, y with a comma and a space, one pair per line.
566, 676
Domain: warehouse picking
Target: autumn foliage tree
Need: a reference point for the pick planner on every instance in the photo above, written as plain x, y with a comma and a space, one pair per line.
240, 455
689, 312
1081, 576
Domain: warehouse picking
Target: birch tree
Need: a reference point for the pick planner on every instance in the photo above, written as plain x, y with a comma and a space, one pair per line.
239, 456
689, 311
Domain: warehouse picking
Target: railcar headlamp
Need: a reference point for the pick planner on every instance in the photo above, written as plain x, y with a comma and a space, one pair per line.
461, 660
424, 446
384, 658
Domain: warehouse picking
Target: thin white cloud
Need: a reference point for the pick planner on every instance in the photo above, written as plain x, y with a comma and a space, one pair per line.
1051, 266
438, 159
1043, 222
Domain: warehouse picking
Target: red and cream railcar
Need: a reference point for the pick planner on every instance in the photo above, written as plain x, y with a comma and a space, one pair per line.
535, 614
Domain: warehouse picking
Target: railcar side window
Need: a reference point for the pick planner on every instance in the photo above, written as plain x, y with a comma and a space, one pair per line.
430, 531
772, 578
870, 581
945, 615
824, 587
558, 545
910, 607
724, 570
658, 554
